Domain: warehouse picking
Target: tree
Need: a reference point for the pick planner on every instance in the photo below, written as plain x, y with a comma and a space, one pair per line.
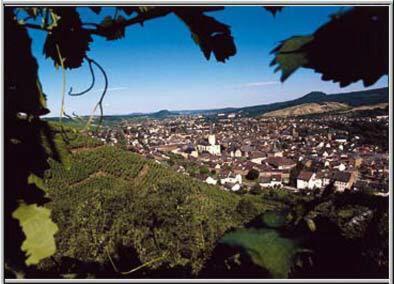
247, 209
352, 46
253, 174
294, 172
204, 170
256, 189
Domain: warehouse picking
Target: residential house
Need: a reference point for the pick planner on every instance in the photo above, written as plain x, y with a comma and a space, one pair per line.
270, 182
308, 180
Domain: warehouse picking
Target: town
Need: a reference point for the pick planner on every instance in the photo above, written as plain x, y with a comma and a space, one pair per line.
254, 153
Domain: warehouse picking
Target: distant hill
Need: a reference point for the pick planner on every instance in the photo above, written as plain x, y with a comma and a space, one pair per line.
163, 114
369, 107
308, 108
353, 99
357, 98
114, 119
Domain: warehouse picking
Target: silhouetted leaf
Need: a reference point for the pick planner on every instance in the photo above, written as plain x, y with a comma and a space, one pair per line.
208, 33
36, 180
273, 219
96, 9
23, 90
33, 12
289, 56
39, 231
72, 40
352, 46
311, 224
112, 29
273, 9
144, 9
129, 10
266, 249
137, 9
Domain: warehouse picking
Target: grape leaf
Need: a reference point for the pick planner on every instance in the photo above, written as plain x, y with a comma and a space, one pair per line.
112, 29
33, 12
311, 224
211, 35
95, 9
36, 180
136, 9
128, 10
266, 249
39, 231
273, 219
289, 56
273, 9
352, 46
69, 37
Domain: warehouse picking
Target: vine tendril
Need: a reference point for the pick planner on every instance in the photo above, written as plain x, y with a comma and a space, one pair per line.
100, 102
70, 93
61, 60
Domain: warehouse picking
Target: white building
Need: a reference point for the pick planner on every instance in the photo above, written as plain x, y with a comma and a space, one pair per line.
308, 180
211, 180
344, 180
231, 178
270, 182
209, 145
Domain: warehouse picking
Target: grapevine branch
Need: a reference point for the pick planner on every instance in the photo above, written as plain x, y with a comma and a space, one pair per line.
140, 19
100, 31
64, 81
62, 111
136, 268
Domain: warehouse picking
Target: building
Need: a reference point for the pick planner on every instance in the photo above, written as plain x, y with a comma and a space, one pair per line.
343, 180
210, 180
230, 178
270, 182
280, 163
209, 145
308, 180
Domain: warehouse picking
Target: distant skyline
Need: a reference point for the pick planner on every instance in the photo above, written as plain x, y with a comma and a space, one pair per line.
158, 66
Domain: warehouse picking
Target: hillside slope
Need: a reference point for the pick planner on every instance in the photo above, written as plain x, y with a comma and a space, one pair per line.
308, 108
357, 98
108, 201
368, 107
354, 99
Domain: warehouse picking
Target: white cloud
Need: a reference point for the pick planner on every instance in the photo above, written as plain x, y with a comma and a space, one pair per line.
110, 89
258, 84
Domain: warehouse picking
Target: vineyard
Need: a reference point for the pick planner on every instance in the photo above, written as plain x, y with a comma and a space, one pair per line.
122, 215
117, 210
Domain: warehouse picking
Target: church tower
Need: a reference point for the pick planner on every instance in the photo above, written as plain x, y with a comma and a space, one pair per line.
211, 139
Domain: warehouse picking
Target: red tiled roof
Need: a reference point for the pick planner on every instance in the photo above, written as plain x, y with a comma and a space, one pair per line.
305, 175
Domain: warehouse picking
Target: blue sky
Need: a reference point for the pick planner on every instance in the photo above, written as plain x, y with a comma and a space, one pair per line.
158, 66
